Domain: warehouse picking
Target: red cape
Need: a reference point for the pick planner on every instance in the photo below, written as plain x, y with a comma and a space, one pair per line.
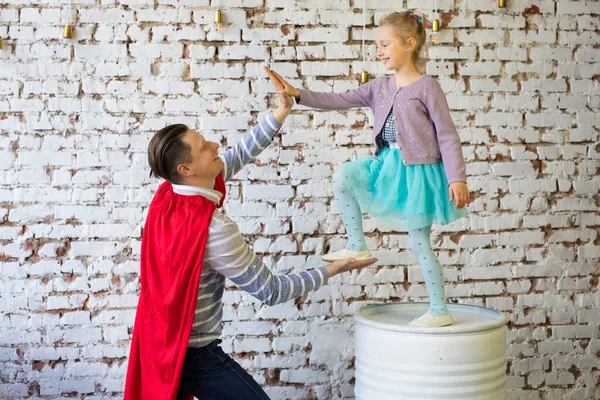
173, 245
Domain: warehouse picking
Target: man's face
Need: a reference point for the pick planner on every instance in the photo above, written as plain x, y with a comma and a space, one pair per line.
206, 163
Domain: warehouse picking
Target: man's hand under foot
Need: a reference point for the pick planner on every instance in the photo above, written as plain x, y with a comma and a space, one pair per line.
337, 267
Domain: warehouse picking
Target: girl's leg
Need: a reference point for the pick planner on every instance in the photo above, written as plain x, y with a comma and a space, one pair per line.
352, 218
350, 212
420, 244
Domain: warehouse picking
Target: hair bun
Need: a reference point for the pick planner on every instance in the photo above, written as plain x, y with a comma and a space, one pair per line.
415, 16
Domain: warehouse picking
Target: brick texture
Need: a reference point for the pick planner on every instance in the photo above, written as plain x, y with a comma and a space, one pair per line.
76, 116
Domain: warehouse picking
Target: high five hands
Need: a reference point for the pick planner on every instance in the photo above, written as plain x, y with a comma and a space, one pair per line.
285, 86
286, 100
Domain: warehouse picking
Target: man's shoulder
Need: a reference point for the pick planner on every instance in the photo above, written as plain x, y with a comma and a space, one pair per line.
221, 223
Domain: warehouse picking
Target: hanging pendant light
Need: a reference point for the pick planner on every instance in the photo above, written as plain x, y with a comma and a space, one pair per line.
68, 32
435, 28
218, 19
364, 75
502, 8
68, 28
435, 25
218, 16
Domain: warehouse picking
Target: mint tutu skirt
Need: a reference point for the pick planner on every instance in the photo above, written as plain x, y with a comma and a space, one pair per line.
406, 197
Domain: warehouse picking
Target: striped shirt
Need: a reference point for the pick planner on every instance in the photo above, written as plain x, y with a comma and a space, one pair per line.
228, 256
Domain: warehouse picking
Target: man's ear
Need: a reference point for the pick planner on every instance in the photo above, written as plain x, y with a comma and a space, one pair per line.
183, 170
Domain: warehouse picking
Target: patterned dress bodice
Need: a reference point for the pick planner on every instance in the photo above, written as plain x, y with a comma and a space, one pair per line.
388, 133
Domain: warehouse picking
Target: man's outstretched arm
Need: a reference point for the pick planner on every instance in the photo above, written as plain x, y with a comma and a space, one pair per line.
259, 137
228, 254
250, 146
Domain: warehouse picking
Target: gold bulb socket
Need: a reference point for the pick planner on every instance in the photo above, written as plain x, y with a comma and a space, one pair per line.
364, 77
501, 3
435, 26
218, 16
68, 32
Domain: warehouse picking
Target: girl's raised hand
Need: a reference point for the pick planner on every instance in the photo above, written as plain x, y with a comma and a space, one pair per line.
460, 192
289, 89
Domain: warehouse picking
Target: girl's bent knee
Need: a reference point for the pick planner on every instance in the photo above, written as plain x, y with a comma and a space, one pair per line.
339, 180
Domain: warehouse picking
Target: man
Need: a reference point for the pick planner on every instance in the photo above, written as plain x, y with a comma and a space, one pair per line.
188, 249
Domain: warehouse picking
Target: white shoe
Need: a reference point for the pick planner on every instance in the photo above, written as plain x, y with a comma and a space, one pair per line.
345, 254
430, 320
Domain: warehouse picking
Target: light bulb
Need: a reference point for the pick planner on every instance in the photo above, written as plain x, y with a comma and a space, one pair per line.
502, 8
218, 19
435, 31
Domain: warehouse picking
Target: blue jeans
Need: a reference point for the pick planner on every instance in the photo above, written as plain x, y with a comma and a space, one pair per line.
210, 374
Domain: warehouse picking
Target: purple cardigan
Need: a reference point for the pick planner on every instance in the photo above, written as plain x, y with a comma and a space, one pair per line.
424, 129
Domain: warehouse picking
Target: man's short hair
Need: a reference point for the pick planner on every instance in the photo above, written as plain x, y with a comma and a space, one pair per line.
166, 151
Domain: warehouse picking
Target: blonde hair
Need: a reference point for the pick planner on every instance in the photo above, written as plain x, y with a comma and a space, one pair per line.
406, 26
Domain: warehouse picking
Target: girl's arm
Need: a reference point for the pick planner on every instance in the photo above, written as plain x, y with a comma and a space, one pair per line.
447, 136
360, 97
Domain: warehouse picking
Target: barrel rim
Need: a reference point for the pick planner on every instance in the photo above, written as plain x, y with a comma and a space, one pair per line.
499, 321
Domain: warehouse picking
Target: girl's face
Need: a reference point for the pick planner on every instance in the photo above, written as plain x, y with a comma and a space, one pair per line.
392, 51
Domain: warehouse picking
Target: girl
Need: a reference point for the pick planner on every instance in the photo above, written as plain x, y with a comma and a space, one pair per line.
418, 175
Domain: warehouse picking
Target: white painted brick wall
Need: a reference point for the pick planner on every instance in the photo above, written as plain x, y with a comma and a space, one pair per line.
76, 117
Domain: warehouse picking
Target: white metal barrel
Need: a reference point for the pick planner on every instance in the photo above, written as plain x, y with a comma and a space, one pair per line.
394, 361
